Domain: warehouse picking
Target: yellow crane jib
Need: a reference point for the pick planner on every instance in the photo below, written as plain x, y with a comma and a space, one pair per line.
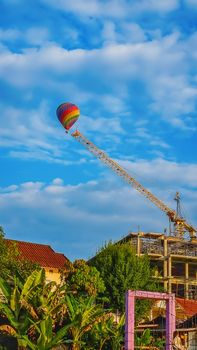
180, 225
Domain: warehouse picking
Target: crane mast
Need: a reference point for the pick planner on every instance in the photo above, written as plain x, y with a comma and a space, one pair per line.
180, 225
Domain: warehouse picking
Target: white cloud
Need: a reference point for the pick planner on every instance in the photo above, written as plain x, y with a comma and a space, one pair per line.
109, 34
36, 134
132, 32
9, 34
29, 132
164, 172
162, 66
125, 32
58, 181
124, 66
37, 36
114, 8
141, 133
93, 212
157, 6
101, 125
179, 102
32, 35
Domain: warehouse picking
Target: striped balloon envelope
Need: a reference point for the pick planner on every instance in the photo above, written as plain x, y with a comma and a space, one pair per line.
67, 114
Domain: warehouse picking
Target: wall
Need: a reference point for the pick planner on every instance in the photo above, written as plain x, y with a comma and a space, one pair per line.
52, 274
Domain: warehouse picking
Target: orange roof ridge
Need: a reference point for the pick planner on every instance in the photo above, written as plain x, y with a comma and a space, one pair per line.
16, 240
188, 305
42, 254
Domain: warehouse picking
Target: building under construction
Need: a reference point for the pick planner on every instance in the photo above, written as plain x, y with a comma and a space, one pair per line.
173, 256
174, 260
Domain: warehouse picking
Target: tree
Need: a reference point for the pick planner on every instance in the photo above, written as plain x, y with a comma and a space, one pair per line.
46, 338
42, 316
116, 333
11, 261
17, 308
122, 270
83, 280
83, 315
144, 339
110, 333
32, 310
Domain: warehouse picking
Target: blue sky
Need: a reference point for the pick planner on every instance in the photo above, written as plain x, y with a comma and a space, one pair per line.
131, 67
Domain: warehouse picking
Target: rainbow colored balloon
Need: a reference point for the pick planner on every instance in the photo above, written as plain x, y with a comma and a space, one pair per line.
67, 114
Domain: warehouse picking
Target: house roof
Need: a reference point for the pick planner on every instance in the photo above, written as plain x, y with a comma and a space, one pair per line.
189, 306
190, 322
185, 309
42, 254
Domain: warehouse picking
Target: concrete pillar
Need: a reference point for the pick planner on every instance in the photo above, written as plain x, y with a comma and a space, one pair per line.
165, 263
165, 274
138, 244
186, 280
169, 274
165, 247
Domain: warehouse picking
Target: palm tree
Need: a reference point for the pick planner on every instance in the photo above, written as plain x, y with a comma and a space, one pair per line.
46, 337
83, 314
16, 307
117, 333
145, 338
108, 333
40, 316
100, 333
31, 309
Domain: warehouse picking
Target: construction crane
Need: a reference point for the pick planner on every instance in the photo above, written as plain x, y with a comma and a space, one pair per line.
180, 225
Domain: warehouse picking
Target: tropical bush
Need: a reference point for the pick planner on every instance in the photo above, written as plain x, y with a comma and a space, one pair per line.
44, 316
77, 314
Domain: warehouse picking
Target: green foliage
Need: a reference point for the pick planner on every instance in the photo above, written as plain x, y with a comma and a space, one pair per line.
18, 304
48, 316
11, 262
160, 343
41, 316
46, 338
107, 334
31, 310
122, 270
82, 279
144, 339
116, 333
83, 315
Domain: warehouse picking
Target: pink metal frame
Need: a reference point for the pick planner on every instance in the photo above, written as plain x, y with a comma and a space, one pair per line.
130, 315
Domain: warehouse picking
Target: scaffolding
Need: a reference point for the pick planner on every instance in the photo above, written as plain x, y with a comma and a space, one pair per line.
174, 261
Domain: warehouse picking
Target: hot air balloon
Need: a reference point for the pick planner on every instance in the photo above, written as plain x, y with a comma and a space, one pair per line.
67, 114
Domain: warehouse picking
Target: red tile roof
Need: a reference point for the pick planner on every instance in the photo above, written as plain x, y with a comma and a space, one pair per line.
42, 254
188, 306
